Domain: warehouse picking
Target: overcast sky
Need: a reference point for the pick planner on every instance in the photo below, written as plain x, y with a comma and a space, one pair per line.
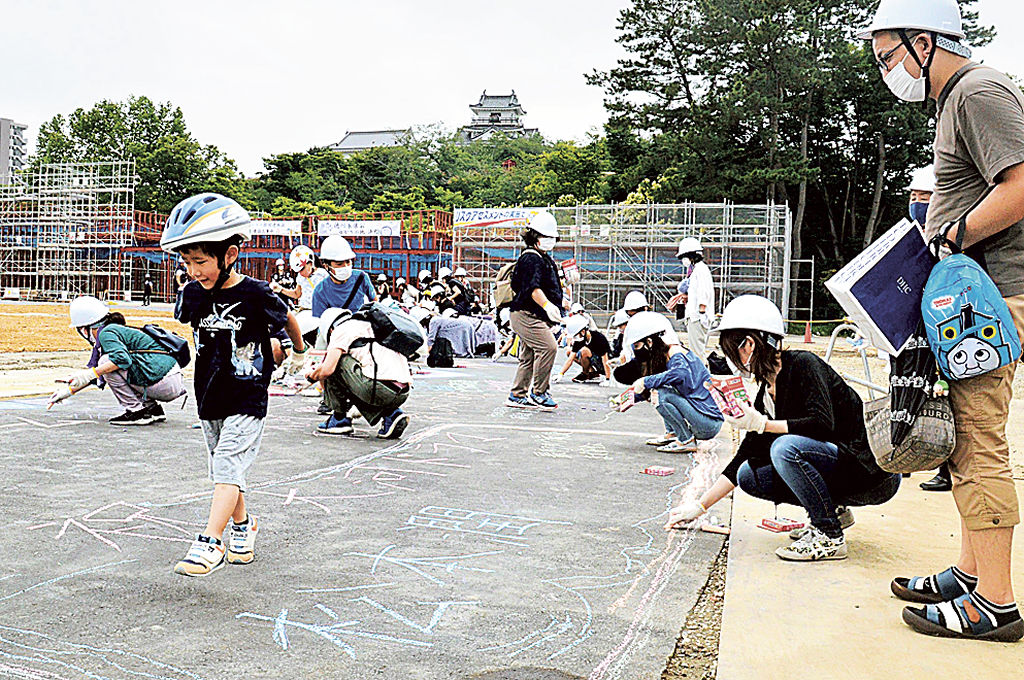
263, 77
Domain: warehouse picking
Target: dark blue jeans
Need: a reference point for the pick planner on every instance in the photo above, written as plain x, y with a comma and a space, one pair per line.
800, 474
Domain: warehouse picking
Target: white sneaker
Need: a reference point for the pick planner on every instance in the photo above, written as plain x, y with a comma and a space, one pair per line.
661, 440
201, 559
814, 546
843, 514
242, 541
676, 446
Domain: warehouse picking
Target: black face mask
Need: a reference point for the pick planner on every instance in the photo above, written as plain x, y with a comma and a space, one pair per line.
642, 353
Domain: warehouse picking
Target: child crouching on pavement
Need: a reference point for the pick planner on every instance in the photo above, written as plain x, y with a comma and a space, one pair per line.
359, 371
233, 318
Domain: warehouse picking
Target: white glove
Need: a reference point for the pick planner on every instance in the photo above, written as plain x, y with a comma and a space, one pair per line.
553, 312
686, 512
605, 383
275, 286
83, 378
639, 387
751, 420
556, 378
296, 360
62, 393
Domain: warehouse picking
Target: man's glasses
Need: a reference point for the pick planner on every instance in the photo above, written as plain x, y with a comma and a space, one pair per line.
883, 59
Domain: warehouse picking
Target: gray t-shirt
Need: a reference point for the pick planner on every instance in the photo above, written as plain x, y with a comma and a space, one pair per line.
979, 134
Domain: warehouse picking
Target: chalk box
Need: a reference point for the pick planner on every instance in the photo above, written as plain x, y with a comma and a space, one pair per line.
779, 526
624, 401
658, 471
728, 393
881, 288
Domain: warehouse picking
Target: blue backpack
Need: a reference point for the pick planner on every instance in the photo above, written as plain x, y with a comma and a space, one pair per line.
970, 329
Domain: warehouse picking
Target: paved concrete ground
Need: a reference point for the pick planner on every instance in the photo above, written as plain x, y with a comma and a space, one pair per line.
838, 620
486, 540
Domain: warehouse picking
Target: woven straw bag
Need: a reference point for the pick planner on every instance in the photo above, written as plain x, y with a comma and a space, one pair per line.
928, 445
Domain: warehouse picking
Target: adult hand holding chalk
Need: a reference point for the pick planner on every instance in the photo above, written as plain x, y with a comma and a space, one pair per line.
59, 395
684, 512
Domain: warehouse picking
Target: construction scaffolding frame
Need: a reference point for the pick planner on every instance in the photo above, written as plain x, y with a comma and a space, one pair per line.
63, 227
619, 248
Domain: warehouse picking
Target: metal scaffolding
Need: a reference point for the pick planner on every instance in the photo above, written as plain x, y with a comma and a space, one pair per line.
62, 229
619, 248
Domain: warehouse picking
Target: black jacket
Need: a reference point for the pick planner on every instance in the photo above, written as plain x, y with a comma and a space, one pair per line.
534, 270
817, 403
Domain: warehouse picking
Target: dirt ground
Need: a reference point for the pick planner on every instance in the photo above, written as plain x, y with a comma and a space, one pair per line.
44, 327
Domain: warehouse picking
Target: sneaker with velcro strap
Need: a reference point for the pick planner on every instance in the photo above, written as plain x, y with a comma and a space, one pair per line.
204, 556
242, 541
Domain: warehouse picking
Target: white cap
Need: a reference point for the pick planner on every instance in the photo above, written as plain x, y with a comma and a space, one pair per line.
544, 224
923, 180
689, 245
635, 300
575, 324
940, 16
646, 324
87, 310
752, 313
335, 248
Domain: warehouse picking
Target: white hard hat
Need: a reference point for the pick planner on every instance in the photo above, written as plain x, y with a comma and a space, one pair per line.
575, 324
544, 224
428, 305
87, 310
400, 281
300, 256
635, 300
923, 180
940, 16
689, 245
419, 313
619, 318
752, 313
459, 271
449, 313
424, 274
576, 308
279, 262
444, 272
335, 248
331, 318
382, 278
646, 324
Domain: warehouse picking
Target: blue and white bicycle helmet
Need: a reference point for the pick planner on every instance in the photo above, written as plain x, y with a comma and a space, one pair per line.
205, 218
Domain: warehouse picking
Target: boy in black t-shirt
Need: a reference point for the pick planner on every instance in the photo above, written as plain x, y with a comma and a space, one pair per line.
589, 349
233, 318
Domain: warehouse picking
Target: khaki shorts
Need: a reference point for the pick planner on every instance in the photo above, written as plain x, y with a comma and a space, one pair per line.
982, 478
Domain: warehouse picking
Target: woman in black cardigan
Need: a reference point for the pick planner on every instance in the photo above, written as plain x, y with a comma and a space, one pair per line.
806, 443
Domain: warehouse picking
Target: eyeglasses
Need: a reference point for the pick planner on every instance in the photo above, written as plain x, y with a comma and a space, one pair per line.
883, 59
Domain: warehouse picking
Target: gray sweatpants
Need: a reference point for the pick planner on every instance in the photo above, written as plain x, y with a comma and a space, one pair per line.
697, 337
537, 352
233, 444
133, 397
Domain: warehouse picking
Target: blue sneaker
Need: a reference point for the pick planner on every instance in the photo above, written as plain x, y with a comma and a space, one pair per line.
519, 402
335, 425
393, 425
543, 400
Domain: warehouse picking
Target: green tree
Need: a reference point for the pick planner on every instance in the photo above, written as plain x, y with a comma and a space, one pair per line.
169, 162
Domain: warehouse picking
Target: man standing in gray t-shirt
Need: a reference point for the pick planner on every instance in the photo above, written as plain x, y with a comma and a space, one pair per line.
979, 144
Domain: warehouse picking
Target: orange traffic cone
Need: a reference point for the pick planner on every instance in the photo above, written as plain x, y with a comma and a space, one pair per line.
808, 340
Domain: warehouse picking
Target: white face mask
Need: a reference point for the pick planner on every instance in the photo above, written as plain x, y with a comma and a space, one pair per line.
685, 262
905, 86
546, 243
342, 273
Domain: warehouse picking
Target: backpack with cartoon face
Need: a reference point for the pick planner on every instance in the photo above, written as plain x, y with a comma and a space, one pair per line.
970, 329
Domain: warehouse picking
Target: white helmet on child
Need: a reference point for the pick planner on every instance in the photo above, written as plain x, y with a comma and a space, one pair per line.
647, 324
575, 325
424, 274
300, 256
335, 248
460, 271
279, 262
419, 313
86, 311
689, 245
331, 318
635, 300
620, 318
544, 224
923, 180
400, 281
752, 313
444, 272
